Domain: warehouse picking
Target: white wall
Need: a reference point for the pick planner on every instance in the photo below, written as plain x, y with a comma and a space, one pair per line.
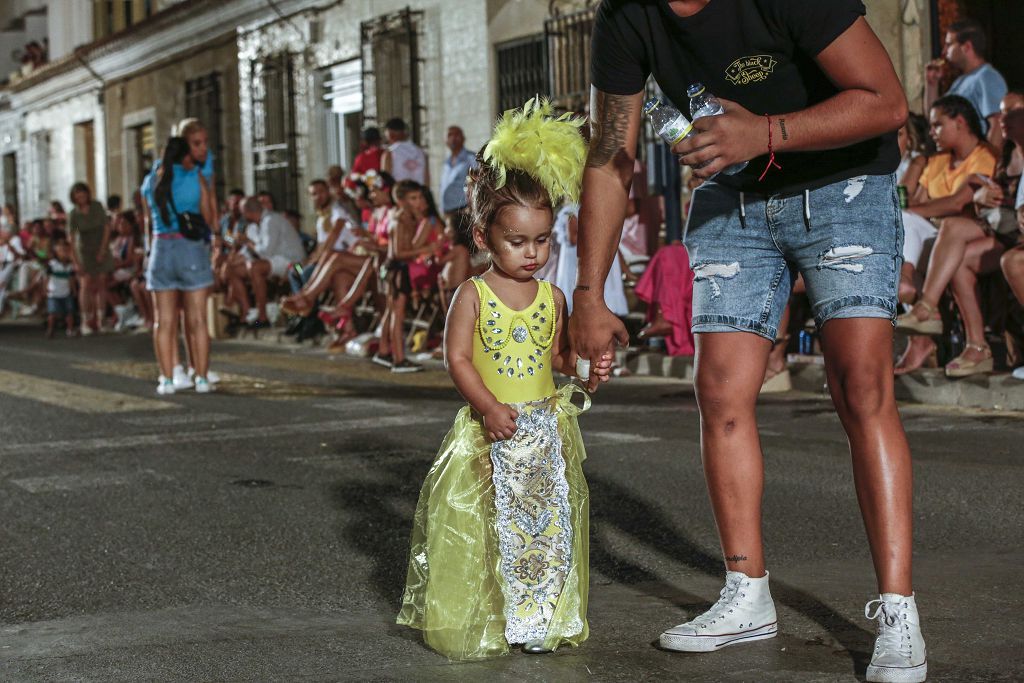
455, 71
69, 27
60, 120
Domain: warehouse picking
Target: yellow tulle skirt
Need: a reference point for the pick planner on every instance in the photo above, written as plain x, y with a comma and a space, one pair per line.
500, 537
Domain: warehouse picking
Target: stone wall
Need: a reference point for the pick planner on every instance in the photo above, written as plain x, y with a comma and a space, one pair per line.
904, 29
158, 95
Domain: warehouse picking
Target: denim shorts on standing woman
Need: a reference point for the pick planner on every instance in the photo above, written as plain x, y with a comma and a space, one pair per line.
746, 251
179, 264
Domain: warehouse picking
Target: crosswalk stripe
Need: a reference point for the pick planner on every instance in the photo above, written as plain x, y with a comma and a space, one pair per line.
75, 397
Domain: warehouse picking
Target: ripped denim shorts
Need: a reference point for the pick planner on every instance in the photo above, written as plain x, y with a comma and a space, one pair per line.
746, 250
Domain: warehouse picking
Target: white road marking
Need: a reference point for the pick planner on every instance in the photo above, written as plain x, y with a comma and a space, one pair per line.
241, 434
70, 482
178, 419
605, 438
74, 396
347, 404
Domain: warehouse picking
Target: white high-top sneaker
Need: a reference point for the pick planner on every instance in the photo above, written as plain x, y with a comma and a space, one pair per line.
900, 655
744, 612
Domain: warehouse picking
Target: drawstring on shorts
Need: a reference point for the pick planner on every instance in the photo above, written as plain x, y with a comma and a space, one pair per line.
743, 212
807, 210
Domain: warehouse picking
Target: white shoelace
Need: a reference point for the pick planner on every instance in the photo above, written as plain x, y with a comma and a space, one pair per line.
726, 598
892, 629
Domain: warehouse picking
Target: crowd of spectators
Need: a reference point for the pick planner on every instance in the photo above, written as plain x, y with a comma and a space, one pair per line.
377, 273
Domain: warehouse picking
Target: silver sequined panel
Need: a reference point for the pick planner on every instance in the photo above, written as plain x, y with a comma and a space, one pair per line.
534, 524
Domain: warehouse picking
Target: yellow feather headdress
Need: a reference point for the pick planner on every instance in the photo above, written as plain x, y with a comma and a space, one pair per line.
550, 150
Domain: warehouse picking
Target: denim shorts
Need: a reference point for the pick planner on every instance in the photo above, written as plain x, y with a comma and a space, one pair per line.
179, 264
746, 250
61, 306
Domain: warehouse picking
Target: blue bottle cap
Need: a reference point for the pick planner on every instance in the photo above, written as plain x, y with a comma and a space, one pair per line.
695, 89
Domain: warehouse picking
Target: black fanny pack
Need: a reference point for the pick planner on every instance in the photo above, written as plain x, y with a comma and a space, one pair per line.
191, 225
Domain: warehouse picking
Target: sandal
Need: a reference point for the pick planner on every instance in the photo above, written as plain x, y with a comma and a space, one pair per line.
912, 323
961, 367
296, 305
911, 359
776, 382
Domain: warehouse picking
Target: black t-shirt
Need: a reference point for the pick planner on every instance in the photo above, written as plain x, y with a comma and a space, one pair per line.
759, 53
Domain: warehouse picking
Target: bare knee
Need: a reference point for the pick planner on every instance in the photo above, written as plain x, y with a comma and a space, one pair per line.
863, 395
1012, 263
722, 408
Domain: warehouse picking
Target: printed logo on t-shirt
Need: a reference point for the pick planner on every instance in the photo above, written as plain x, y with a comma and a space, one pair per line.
752, 69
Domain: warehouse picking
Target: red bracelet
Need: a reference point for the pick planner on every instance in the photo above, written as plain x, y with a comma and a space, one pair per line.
771, 152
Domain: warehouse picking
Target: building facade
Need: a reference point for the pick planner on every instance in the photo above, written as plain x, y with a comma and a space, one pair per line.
286, 87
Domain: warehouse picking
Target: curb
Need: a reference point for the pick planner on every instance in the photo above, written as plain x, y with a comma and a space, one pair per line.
931, 387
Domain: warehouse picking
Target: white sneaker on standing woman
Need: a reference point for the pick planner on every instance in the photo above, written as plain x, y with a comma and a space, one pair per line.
744, 613
211, 376
899, 655
181, 379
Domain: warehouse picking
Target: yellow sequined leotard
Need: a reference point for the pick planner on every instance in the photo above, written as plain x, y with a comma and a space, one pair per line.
512, 349
505, 523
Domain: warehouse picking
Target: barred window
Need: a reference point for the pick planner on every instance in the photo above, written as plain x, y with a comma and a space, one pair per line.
391, 71
569, 58
203, 101
275, 160
522, 70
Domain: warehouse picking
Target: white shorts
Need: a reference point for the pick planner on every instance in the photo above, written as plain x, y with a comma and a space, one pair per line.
916, 231
279, 266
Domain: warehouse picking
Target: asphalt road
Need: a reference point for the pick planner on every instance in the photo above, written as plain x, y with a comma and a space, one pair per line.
260, 533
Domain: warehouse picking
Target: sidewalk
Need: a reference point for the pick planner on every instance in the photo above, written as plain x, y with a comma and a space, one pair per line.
987, 392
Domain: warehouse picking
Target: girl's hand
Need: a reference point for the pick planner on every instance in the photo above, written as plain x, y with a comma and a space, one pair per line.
500, 422
602, 369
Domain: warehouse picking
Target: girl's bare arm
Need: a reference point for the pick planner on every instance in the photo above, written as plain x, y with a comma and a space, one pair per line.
499, 419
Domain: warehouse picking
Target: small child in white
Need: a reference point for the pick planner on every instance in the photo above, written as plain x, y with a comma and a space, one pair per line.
60, 283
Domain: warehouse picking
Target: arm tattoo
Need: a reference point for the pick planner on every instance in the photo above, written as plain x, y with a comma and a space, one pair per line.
782, 127
736, 558
609, 121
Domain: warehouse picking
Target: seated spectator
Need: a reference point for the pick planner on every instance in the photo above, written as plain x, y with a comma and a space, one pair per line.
424, 269
57, 214
1012, 262
368, 158
914, 152
12, 254
402, 250
564, 233
266, 200
947, 192
666, 286
456, 264
232, 215
127, 266
38, 249
374, 246
267, 249
332, 264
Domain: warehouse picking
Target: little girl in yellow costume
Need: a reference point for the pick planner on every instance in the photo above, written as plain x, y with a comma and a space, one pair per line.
500, 537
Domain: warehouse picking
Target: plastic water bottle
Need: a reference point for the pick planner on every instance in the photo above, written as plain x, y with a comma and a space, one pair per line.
669, 123
703, 103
